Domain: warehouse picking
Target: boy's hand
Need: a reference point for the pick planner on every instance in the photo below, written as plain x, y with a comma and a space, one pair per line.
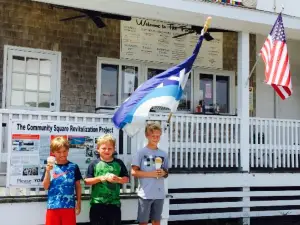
123, 180
112, 178
160, 173
78, 208
102, 178
49, 167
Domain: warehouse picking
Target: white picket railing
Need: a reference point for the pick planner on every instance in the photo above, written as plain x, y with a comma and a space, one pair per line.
201, 141
274, 143
196, 142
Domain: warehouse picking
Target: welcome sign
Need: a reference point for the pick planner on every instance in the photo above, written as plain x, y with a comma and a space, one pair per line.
153, 41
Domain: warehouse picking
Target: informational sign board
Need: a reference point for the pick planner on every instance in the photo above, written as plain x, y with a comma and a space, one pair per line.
29, 147
153, 41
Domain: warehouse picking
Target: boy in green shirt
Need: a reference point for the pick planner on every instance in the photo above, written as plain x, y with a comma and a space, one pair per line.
106, 174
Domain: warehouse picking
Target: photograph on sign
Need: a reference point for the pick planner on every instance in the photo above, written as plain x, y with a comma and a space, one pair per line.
81, 151
25, 143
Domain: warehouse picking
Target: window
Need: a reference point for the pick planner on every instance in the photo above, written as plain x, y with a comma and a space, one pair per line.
116, 81
214, 92
32, 79
186, 98
109, 85
222, 93
206, 91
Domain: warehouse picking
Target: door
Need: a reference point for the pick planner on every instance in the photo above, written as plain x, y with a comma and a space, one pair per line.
215, 90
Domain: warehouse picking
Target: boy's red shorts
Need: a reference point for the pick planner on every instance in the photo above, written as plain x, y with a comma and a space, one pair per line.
60, 217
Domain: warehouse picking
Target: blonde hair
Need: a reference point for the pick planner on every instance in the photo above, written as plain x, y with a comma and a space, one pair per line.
58, 143
106, 138
152, 126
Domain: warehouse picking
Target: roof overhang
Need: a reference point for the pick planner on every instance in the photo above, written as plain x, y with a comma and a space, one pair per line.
191, 12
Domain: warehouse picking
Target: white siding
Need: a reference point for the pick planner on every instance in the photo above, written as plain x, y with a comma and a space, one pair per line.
291, 7
287, 109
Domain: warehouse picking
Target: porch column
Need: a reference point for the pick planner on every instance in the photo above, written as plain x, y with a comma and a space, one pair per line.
243, 96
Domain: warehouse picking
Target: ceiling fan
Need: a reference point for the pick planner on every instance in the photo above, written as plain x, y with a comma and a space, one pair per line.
197, 30
95, 16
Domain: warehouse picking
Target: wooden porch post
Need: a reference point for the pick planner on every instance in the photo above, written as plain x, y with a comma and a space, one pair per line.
243, 97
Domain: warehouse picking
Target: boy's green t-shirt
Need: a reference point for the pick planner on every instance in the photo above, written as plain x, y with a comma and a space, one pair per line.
106, 192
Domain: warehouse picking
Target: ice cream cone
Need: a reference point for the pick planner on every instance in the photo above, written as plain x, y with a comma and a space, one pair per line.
51, 160
158, 163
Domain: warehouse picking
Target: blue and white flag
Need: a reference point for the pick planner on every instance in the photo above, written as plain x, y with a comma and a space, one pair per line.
164, 89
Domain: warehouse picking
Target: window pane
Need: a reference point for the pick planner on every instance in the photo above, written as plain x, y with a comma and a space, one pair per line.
151, 72
32, 65
30, 99
185, 101
17, 98
109, 85
45, 66
129, 81
206, 91
222, 93
18, 64
18, 81
45, 83
32, 82
44, 100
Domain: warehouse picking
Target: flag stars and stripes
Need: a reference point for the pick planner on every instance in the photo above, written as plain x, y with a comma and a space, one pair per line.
274, 54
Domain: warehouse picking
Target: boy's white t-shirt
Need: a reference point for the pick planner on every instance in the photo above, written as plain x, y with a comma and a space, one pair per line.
150, 188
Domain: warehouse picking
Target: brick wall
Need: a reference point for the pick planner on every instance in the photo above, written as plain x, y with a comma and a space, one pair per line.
230, 58
30, 24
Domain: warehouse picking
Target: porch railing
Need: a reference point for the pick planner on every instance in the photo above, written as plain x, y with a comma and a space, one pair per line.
196, 142
204, 141
274, 143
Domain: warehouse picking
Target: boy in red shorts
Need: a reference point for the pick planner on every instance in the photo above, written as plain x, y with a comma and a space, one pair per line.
62, 179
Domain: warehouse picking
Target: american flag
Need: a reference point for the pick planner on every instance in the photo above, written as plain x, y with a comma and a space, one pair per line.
275, 55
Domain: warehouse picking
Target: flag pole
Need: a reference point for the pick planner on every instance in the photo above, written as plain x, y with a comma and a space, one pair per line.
275, 96
253, 68
205, 27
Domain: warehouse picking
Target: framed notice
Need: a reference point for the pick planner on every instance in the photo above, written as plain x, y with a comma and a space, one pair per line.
251, 107
151, 40
29, 147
